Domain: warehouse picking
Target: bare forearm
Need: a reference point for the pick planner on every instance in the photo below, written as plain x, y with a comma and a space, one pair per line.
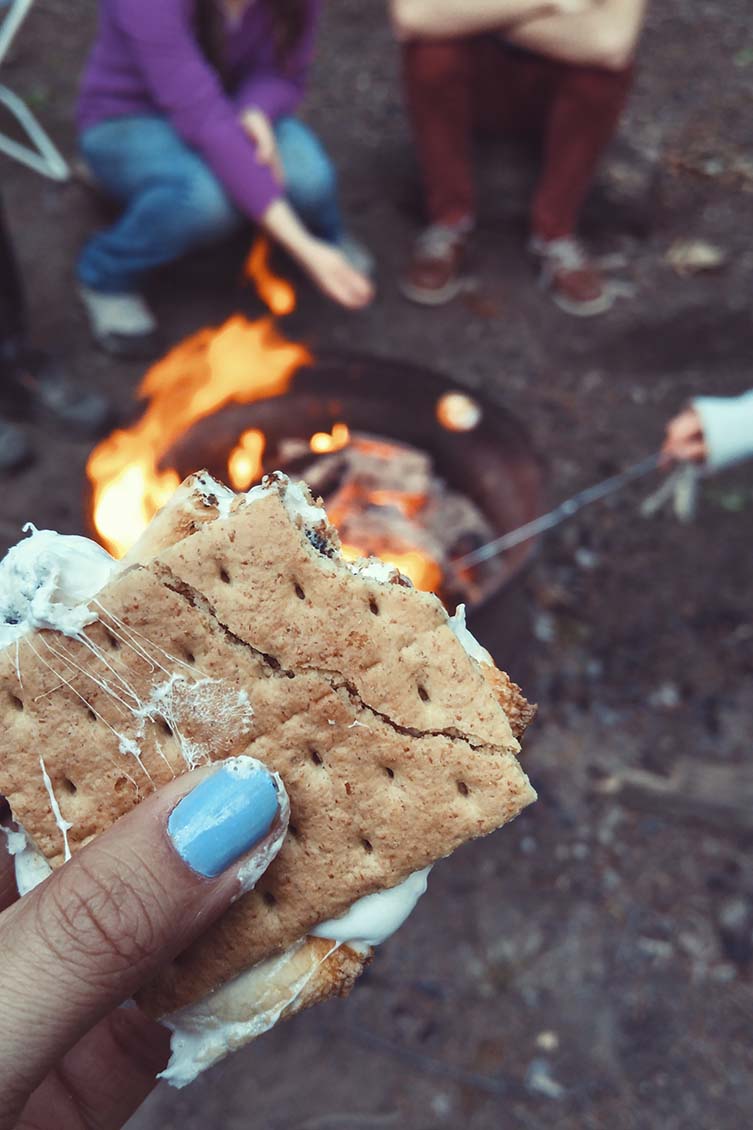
604, 36
446, 19
325, 264
281, 222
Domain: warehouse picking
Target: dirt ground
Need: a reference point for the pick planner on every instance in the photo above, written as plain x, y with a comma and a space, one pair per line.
589, 966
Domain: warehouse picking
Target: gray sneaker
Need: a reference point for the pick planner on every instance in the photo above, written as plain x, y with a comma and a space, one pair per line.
121, 324
574, 281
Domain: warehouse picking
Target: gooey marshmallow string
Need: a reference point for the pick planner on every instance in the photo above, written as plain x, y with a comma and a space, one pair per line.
47, 581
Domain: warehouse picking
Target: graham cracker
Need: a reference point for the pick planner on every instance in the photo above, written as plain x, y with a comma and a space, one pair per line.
391, 743
520, 712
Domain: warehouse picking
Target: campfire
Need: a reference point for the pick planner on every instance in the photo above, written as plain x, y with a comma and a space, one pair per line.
410, 468
387, 502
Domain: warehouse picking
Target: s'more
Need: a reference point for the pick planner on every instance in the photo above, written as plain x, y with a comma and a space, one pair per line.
235, 627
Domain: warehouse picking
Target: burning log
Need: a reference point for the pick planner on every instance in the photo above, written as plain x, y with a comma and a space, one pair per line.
387, 501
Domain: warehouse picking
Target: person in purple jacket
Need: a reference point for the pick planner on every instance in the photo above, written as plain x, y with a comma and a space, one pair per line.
186, 118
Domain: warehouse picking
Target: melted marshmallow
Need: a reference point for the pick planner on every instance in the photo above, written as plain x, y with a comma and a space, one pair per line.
64, 825
47, 580
251, 1003
239, 1011
375, 569
467, 639
295, 498
215, 493
30, 865
375, 918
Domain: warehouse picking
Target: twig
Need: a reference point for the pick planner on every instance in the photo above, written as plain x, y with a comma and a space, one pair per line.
721, 795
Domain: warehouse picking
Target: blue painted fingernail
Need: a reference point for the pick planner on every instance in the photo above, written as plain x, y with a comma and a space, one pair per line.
225, 816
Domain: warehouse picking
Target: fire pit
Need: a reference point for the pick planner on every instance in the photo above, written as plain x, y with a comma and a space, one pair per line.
476, 473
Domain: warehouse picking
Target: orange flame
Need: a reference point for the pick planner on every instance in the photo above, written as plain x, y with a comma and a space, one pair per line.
322, 443
244, 465
239, 363
277, 293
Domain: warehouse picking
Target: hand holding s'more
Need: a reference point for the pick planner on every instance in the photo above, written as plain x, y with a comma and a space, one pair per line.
231, 761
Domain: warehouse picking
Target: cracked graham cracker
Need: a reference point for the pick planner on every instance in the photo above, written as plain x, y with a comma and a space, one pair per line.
390, 741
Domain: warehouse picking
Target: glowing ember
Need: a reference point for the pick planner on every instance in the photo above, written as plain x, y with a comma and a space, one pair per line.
387, 502
321, 443
244, 465
425, 573
275, 292
239, 363
458, 412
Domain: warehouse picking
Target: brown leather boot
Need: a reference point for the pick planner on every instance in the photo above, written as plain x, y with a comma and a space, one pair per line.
574, 282
434, 274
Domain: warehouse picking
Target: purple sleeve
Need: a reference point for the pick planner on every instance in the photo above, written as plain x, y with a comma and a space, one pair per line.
188, 91
276, 93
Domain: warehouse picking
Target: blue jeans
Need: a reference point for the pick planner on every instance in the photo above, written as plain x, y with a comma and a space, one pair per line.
174, 202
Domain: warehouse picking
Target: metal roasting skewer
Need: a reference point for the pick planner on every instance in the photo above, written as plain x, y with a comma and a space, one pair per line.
560, 514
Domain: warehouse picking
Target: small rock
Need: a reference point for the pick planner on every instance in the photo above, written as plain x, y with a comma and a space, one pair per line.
692, 256
655, 947
610, 880
586, 559
713, 166
540, 1081
544, 627
611, 820
667, 695
694, 946
441, 1104
735, 925
548, 1041
724, 972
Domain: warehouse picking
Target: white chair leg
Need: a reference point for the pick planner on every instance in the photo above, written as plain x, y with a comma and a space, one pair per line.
12, 22
44, 158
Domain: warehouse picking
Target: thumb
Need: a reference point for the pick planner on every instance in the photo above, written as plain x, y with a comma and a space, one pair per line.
101, 926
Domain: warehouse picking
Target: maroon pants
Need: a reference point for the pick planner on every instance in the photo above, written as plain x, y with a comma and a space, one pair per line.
455, 88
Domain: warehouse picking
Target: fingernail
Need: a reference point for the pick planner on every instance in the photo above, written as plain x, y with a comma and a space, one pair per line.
225, 816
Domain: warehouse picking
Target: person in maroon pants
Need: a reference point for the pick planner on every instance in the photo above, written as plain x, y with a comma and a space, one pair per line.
562, 70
